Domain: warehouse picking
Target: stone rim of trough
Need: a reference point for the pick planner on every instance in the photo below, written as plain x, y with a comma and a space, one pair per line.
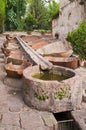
29, 77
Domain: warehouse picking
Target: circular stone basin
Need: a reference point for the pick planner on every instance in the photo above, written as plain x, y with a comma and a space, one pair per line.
9, 48
55, 95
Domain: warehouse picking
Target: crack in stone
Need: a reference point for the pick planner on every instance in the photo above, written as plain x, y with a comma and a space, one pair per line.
11, 126
43, 121
20, 121
1, 117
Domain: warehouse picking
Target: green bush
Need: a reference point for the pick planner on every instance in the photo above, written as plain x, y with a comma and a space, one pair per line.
30, 22
2, 15
78, 40
42, 31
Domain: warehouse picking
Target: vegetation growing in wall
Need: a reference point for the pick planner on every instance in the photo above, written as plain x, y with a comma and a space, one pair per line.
78, 40
41, 96
63, 92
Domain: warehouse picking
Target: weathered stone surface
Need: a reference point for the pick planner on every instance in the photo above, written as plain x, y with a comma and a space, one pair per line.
15, 103
84, 96
80, 118
2, 71
15, 71
49, 120
31, 120
68, 18
16, 57
70, 62
36, 58
14, 113
9, 127
53, 95
58, 49
10, 119
15, 84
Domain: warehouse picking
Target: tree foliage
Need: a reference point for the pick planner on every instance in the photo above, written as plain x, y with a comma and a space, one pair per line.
42, 12
15, 10
53, 9
2, 15
38, 11
38, 16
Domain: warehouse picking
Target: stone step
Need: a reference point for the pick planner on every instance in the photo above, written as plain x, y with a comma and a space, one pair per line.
2, 60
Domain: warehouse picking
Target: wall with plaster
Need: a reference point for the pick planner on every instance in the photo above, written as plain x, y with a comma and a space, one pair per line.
72, 13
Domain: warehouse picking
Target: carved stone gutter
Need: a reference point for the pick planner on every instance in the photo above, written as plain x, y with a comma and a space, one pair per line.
38, 59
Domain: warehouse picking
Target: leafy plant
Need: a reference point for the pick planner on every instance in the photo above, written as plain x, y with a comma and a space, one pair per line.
78, 40
42, 31
30, 22
60, 94
2, 15
15, 11
53, 9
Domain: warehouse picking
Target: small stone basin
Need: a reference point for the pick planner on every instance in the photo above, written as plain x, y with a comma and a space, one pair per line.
8, 49
56, 49
70, 62
16, 57
10, 37
52, 95
12, 46
10, 40
15, 71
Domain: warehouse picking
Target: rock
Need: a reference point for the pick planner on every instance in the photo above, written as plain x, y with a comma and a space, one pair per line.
49, 120
31, 120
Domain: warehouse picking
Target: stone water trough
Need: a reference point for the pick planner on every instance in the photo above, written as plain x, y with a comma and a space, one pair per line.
60, 53
15, 71
43, 92
58, 49
15, 59
9, 45
70, 62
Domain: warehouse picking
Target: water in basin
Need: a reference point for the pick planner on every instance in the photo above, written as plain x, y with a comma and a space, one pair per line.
51, 76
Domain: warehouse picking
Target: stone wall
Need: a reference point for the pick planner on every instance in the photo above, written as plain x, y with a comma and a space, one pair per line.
72, 12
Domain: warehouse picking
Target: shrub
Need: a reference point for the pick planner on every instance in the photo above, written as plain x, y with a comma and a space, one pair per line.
30, 22
42, 31
78, 40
